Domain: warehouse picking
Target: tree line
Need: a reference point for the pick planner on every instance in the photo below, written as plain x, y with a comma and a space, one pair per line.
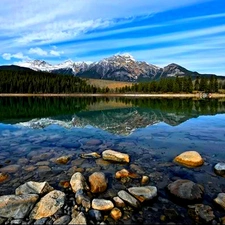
12, 81
174, 85
19, 81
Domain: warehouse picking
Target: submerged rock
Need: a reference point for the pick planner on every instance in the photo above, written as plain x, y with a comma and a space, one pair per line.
98, 182
33, 187
119, 202
78, 182
219, 169
3, 177
95, 215
128, 198
125, 173
200, 212
63, 160
92, 155
102, 204
17, 206
48, 205
143, 193
186, 189
116, 214
10, 168
115, 156
220, 199
80, 219
189, 159
62, 220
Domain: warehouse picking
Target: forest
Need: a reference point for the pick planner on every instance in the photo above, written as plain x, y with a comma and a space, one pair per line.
32, 82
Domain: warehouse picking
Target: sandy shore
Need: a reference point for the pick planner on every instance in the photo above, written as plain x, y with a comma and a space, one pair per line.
181, 95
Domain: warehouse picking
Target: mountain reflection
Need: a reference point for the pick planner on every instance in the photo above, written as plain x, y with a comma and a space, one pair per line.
116, 115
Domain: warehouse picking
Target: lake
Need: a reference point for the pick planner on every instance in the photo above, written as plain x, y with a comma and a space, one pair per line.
35, 131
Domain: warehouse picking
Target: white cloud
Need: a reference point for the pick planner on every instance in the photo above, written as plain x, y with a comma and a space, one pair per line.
56, 53
58, 20
38, 51
19, 55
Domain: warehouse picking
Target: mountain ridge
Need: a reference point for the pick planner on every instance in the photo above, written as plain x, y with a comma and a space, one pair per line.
117, 67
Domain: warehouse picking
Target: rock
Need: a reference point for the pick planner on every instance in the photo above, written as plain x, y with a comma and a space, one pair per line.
189, 159
186, 189
3, 177
79, 196
2, 220
102, 204
10, 169
95, 215
116, 214
86, 203
80, 219
98, 182
137, 168
143, 193
44, 169
128, 198
62, 220
16, 221
115, 156
41, 221
102, 162
64, 184
92, 155
63, 160
201, 213
144, 180
16, 206
125, 173
48, 205
220, 199
219, 169
33, 187
77, 182
119, 202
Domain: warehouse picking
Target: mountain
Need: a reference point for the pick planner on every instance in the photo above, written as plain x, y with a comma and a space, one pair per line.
117, 67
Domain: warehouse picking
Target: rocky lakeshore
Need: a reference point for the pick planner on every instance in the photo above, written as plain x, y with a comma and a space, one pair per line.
128, 196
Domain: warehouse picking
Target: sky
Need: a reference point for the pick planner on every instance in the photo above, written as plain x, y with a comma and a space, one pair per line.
190, 33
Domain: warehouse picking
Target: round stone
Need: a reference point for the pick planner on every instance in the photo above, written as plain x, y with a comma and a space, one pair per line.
219, 169
116, 214
189, 159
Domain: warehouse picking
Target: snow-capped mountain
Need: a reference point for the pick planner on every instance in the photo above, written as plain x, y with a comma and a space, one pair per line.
117, 67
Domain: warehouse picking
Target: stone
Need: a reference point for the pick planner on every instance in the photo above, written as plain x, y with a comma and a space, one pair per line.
219, 169
48, 205
220, 199
16, 206
77, 182
3, 177
63, 160
10, 169
125, 173
32, 187
201, 213
102, 204
98, 182
143, 193
62, 220
92, 155
186, 189
115, 156
64, 184
116, 214
189, 159
80, 219
119, 202
128, 198
95, 215
144, 180
102, 162
44, 169
16, 221
2, 220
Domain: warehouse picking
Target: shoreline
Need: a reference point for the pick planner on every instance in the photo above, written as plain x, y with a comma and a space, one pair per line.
181, 95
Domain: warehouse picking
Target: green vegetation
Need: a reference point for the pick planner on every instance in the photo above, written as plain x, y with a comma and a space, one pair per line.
174, 85
25, 81
32, 82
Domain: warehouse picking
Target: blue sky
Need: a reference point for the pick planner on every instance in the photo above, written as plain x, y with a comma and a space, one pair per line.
188, 32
